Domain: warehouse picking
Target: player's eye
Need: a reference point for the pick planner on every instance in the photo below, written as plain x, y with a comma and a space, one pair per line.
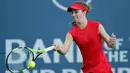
72, 12
76, 11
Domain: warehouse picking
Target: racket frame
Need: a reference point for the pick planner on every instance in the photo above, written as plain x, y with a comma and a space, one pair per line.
32, 51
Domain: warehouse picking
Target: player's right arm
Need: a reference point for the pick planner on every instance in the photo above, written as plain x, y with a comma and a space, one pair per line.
110, 40
64, 49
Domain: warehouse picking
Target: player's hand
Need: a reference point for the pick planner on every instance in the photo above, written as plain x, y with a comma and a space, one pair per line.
56, 48
112, 41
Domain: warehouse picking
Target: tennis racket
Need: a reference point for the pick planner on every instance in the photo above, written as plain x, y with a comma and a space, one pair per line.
22, 56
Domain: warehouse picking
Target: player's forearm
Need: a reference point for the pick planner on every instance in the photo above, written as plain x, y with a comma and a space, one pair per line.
62, 51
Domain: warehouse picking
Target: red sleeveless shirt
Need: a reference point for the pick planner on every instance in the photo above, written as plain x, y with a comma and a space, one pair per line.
90, 44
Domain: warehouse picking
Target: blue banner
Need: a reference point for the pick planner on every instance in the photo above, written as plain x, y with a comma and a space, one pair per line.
42, 23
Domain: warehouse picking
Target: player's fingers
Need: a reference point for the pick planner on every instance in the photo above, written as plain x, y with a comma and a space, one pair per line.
111, 43
113, 39
56, 47
113, 35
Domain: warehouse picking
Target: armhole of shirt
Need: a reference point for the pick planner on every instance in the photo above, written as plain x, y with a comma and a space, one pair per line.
98, 28
70, 31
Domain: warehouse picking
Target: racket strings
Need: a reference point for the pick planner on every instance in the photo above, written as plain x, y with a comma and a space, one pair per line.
17, 60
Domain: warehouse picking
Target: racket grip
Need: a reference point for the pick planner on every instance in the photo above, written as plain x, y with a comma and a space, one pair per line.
49, 48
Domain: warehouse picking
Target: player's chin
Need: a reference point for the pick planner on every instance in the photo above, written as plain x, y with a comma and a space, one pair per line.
76, 20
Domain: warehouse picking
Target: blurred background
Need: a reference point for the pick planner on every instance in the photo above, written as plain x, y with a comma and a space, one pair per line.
41, 23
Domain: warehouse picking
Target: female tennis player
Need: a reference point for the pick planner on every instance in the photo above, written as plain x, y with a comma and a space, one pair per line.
88, 36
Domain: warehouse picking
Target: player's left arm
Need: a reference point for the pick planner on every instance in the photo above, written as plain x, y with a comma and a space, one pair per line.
110, 40
65, 48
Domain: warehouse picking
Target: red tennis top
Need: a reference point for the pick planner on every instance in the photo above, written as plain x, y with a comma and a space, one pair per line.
90, 44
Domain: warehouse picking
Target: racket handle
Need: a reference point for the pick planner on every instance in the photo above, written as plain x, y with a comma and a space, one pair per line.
49, 48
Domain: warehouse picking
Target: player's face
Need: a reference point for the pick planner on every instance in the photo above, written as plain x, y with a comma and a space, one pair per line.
78, 15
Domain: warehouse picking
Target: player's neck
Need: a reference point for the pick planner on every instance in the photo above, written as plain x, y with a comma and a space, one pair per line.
83, 24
